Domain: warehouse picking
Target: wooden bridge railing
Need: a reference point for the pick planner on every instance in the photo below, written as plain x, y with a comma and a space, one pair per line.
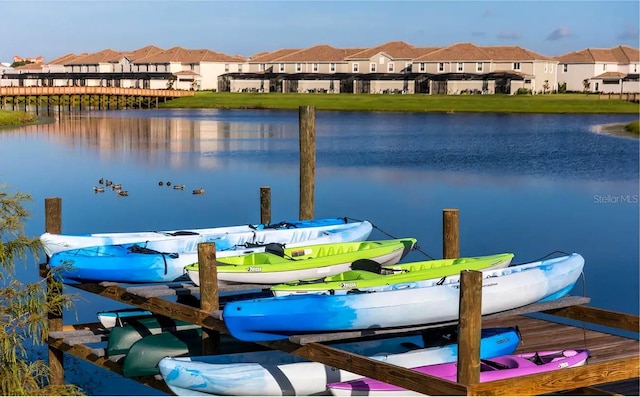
35, 91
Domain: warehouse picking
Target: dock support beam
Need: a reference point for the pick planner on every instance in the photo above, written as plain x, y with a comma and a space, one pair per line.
307, 121
450, 233
53, 224
208, 273
265, 204
469, 327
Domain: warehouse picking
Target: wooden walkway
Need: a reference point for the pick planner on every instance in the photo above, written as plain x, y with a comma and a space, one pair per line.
16, 98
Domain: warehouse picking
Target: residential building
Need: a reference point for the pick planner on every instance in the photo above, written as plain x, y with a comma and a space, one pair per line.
607, 70
392, 67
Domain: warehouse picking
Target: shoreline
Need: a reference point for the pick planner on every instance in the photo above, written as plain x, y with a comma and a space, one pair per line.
616, 129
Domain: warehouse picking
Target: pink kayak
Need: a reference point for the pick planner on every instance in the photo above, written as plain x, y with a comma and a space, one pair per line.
502, 367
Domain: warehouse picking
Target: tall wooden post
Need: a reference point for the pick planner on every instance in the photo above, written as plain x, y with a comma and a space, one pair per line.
208, 273
307, 121
450, 234
265, 204
470, 326
53, 224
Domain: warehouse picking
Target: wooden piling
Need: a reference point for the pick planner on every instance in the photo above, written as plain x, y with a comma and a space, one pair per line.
469, 327
307, 123
450, 233
208, 273
53, 224
265, 204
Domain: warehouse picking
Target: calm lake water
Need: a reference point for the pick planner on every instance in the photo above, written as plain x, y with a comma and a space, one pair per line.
527, 184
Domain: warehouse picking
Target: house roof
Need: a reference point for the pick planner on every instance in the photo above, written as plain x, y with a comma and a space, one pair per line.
186, 73
620, 54
394, 49
273, 55
183, 55
143, 52
319, 53
66, 58
610, 75
30, 66
512, 53
472, 52
104, 56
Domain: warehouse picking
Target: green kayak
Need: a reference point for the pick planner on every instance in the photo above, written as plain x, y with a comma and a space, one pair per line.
144, 355
287, 264
121, 338
390, 277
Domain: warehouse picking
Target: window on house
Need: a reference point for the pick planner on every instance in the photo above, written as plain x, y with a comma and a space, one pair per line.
546, 66
281, 67
390, 67
226, 67
440, 66
261, 67
423, 66
332, 67
315, 67
604, 66
565, 67
372, 67
240, 68
408, 67
193, 66
298, 67
516, 66
460, 66
354, 68
479, 66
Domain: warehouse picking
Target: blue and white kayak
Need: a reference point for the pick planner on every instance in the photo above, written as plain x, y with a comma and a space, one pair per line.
53, 243
164, 260
503, 289
275, 373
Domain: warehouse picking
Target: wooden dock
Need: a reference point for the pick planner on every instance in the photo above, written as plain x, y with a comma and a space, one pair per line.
614, 367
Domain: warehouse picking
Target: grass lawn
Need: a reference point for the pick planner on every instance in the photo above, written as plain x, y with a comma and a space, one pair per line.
556, 103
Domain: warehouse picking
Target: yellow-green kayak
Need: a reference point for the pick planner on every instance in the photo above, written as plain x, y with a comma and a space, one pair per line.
392, 277
312, 261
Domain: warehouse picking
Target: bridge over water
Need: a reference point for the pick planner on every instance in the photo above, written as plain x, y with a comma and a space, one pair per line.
20, 98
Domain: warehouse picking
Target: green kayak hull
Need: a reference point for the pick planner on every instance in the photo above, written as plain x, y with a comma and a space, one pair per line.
144, 355
122, 338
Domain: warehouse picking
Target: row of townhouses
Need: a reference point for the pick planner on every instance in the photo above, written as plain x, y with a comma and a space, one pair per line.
393, 67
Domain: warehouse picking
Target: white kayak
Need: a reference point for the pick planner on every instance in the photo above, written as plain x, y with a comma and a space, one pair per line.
164, 260
275, 373
61, 242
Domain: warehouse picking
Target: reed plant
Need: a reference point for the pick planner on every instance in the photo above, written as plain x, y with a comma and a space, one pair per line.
10, 118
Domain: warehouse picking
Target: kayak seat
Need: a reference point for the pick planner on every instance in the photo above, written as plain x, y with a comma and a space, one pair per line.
368, 265
184, 233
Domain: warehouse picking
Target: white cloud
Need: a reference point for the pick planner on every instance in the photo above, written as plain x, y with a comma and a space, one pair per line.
629, 34
559, 33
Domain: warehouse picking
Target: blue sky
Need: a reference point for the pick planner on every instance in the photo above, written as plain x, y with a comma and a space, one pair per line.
55, 28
